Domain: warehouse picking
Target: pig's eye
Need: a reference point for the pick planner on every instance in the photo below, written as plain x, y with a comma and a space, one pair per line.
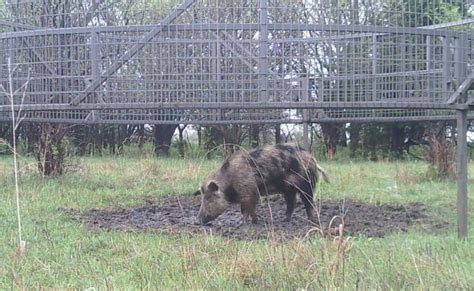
210, 196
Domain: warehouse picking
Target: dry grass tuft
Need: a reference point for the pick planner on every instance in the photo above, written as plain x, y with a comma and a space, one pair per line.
406, 176
106, 167
441, 154
246, 269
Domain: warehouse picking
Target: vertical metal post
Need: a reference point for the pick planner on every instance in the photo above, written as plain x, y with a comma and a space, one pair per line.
263, 51
429, 67
374, 67
446, 66
460, 58
305, 98
462, 172
11, 50
214, 75
95, 71
403, 66
306, 144
95, 60
95, 54
11, 61
374, 70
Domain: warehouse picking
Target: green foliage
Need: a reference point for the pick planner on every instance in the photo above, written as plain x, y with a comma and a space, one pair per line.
423, 12
3, 10
62, 253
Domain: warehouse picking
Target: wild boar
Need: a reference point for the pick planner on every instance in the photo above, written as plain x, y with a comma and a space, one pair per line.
245, 176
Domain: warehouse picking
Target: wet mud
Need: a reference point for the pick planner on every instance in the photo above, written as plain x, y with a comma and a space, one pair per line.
177, 215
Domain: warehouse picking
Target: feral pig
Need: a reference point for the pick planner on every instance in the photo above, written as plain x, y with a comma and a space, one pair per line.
245, 176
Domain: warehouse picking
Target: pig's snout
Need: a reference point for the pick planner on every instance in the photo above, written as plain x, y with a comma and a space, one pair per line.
204, 218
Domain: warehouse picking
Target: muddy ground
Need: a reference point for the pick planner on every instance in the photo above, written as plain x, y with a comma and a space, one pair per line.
178, 215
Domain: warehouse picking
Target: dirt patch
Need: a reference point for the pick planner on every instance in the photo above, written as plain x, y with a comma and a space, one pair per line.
178, 215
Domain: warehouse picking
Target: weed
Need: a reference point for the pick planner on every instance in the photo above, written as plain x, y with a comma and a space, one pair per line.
63, 254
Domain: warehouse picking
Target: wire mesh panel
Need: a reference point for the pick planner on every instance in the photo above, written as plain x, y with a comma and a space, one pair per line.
256, 61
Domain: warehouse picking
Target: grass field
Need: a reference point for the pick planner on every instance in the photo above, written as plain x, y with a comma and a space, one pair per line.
63, 253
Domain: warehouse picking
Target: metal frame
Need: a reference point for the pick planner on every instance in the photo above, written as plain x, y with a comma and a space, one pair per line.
263, 71
244, 61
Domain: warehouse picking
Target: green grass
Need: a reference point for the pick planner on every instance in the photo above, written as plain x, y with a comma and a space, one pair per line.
63, 253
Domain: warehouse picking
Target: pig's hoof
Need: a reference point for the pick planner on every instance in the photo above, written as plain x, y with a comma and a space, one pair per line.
247, 223
243, 225
201, 223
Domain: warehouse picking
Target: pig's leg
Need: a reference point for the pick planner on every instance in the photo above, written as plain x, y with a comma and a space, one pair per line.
290, 198
248, 208
306, 193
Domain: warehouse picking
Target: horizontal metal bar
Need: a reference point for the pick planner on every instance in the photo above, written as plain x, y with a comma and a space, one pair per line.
376, 75
233, 105
194, 27
370, 34
234, 121
451, 24
144, 28
374, 29
433, 26
251, 78
129, 29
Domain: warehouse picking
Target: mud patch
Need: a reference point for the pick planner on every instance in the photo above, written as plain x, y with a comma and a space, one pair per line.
178, 215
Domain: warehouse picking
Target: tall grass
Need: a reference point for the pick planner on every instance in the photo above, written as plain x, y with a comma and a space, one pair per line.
63, 253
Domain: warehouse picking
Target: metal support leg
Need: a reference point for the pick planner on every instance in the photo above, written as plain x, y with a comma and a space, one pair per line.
462, 172
305, 97
306, 136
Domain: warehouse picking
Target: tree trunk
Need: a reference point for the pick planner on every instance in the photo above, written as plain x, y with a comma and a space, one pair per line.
124, 134
111, 139
213, 138
199, 134
354, 135
230, 134
254, 135
396, 140
277, 133
372, 141
163, 134
330, 137
342, 138
49, 148
97, 139
81, 136
141, 136
181, 145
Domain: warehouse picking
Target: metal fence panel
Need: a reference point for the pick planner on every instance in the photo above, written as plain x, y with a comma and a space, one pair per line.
246, 61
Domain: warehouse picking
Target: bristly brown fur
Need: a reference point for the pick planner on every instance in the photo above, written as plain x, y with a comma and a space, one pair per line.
245, 176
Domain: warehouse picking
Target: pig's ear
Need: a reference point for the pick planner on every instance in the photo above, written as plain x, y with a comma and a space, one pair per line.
212, 186
197, 193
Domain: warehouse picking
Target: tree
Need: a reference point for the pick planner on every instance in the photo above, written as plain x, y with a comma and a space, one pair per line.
163, 133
